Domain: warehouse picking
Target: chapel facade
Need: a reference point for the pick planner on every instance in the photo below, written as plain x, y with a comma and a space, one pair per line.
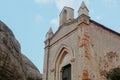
81, 49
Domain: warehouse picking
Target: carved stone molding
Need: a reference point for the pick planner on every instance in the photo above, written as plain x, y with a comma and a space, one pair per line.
72, 60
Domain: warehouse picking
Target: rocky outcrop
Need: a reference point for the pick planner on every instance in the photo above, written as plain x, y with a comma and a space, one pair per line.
13, 64
30, 70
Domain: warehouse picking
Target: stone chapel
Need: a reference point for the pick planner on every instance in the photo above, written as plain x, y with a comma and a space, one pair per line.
81, 48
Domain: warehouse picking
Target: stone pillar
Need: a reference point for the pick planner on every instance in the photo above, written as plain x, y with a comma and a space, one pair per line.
46, 54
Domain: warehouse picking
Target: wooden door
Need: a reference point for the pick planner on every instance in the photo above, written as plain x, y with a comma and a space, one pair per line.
66, 72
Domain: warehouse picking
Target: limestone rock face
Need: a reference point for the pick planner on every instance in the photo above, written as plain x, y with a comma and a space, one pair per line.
30, 70
13, 64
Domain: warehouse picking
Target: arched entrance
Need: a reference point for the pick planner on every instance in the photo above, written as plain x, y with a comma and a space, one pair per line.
63, 64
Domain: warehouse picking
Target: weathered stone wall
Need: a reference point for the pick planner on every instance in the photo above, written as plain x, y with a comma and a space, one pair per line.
14, 65
106, 49
91, 50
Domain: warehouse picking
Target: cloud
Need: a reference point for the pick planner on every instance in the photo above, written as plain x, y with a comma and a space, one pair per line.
61, 3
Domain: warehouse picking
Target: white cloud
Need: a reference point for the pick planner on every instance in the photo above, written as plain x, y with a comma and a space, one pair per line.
38, 19
61, 3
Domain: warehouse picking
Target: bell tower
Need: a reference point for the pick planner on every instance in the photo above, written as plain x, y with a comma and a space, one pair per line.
66, 15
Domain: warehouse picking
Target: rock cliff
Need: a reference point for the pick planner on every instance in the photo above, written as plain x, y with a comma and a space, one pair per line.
13, 64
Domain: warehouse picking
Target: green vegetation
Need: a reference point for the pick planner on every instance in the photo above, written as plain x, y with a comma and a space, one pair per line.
114, 74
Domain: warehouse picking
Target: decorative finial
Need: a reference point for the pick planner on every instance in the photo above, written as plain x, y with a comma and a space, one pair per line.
50, 30
49, 34
83, 10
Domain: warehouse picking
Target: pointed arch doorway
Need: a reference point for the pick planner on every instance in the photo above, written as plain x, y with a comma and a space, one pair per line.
63, 64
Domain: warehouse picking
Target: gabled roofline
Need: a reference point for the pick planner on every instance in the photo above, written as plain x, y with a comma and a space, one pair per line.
106, 28
59, 28
92, 21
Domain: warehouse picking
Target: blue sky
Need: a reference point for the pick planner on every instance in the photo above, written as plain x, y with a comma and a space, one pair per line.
31, 19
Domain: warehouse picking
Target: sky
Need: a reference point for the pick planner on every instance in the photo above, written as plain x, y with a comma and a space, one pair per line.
31, 19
